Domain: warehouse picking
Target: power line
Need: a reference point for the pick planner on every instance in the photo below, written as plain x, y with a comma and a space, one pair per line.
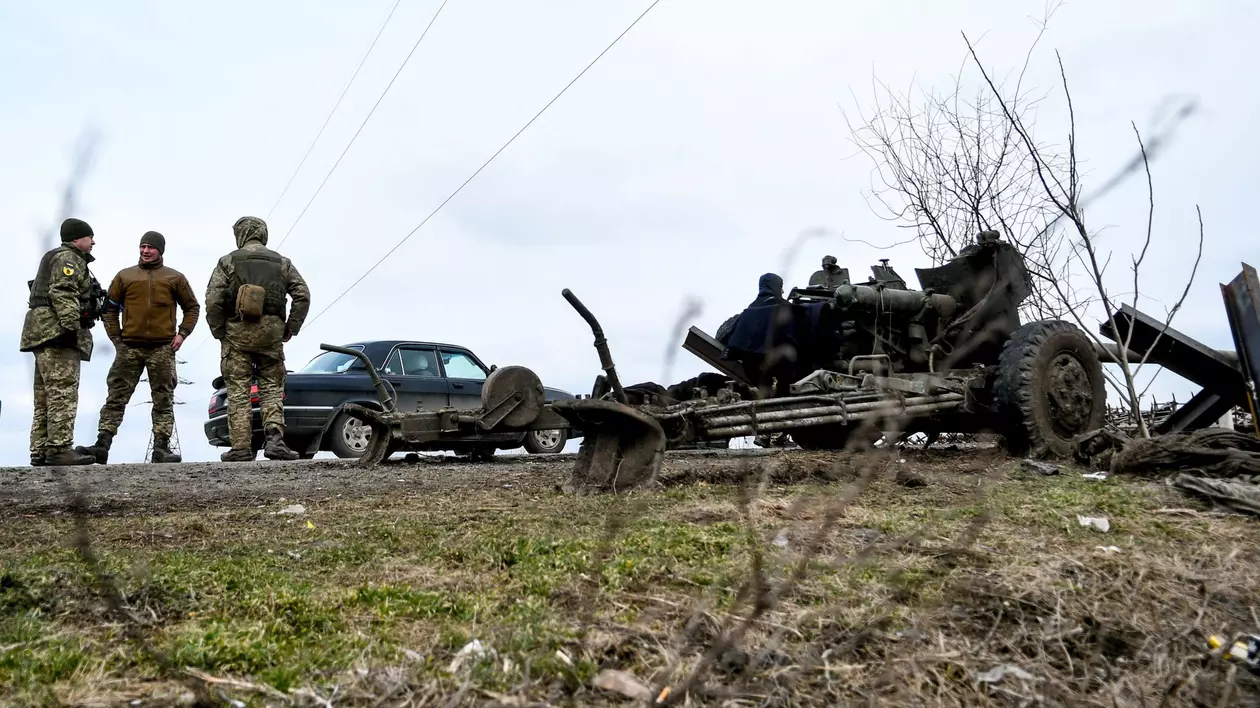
363, 124
484, 165
334, 109
356, 133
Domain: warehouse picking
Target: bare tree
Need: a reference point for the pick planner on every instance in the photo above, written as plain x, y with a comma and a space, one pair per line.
1063, 190
949, 168
950, 165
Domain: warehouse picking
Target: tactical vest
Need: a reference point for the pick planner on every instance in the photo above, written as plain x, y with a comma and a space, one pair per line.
39, 286
91, 302
262, 268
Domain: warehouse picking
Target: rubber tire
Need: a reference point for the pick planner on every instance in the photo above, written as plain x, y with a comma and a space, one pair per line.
1020, 390
533, 447
482, 454
335, 442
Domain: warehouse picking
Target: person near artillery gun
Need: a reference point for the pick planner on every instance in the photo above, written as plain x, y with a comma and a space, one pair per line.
65, 302
763, 339
830, 277
140, 320
245, 310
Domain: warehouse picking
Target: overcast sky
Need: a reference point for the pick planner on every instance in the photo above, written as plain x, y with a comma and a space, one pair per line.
682, 165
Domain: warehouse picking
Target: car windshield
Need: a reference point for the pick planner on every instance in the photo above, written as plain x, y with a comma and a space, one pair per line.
330, 363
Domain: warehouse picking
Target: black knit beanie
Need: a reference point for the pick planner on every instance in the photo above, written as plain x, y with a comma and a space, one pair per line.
154, 239
75, 229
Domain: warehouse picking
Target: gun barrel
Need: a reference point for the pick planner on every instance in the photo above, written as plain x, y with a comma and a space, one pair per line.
892, 300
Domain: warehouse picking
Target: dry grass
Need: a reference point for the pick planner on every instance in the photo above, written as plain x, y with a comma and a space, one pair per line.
909, 597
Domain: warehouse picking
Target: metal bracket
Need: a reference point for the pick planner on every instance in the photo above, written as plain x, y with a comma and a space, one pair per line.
501, 410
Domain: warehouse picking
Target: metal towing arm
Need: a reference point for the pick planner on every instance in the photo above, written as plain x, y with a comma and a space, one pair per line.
621, 447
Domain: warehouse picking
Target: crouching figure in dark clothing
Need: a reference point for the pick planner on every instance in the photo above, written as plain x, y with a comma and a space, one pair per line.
763, 339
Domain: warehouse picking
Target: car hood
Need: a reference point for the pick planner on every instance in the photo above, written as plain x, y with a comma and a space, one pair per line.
553, 394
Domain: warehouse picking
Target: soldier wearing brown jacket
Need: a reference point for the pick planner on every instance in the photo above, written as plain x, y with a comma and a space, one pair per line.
140, 320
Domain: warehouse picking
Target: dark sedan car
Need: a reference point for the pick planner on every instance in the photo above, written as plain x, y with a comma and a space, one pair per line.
424, 376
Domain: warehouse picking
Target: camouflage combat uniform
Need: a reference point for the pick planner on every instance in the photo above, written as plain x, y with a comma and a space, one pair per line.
255, 348
57, 330
139, 318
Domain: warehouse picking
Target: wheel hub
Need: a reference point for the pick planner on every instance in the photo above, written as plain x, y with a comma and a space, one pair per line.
514, 382
356, 434
1068, 394
547, 438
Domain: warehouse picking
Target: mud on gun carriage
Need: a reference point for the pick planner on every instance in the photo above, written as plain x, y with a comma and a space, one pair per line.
950, 357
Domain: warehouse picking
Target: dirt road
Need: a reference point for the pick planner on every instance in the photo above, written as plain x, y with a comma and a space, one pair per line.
150, 488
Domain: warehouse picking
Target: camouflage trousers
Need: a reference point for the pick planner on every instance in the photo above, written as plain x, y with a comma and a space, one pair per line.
239, 368
56, 400
124, 375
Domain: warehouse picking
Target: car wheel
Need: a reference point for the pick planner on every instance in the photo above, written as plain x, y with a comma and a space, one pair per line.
348, 436
545, 442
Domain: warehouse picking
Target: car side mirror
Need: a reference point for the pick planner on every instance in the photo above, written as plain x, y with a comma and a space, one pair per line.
494, 368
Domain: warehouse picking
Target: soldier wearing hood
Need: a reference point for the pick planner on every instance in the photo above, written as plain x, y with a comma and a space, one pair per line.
245, 311
763, 339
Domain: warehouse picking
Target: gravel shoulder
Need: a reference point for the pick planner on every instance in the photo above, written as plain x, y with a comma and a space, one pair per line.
155, 488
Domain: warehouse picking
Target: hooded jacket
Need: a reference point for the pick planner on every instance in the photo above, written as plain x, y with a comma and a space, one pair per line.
268, 333
766, 323
142, 302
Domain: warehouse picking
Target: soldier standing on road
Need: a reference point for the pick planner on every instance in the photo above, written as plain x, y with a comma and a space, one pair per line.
245, 310
60, 314
144, 298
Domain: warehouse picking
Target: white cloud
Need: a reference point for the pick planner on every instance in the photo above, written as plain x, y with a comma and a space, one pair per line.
682, 164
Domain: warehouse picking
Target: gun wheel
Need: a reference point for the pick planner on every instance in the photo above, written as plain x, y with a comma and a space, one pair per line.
1049, 388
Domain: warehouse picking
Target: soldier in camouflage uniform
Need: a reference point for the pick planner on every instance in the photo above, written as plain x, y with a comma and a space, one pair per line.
245, 310
60, 314
139, 318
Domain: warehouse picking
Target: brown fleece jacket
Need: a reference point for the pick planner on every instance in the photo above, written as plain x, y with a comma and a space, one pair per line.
145, 295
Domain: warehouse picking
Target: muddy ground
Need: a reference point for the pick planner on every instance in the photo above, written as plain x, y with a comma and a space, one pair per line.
950, 577
157, 488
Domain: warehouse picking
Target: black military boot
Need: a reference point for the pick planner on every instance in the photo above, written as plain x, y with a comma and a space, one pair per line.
68, 458
37, 460
162, 451
238, 455
276, 449
99, 451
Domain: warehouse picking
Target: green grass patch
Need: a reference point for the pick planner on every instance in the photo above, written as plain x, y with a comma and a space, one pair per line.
283, 604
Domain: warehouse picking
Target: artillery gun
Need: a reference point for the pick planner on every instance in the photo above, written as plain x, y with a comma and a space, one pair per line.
952, 357
955, 353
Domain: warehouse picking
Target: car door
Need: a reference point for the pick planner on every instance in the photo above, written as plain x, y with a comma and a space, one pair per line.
466, 377
414, 373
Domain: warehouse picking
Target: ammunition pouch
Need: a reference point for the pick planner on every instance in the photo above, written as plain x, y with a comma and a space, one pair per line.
250, 302
258, 284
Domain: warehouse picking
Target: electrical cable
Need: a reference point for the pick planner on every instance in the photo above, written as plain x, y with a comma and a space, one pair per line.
363, 124
356, 133
334, 109
483, 166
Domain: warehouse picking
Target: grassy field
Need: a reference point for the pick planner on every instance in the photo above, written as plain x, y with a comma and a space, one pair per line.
845, 582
